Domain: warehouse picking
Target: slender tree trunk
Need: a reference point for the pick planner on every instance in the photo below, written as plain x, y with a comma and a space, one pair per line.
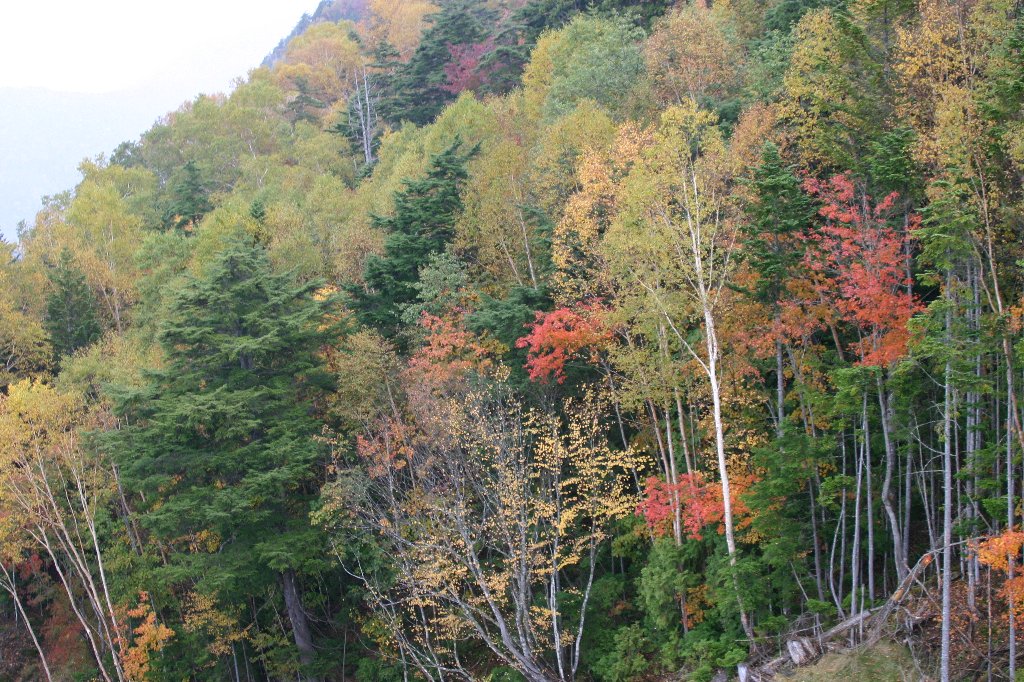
300, 625
9, 586
855, 551
677, 519
947, 511
682, 431
523, 230
1010, 523
723, 470
869, 504
816, 542
908, 494
780, 390
890, 465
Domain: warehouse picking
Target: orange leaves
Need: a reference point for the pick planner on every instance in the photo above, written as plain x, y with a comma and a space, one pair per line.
697, 603
997, 552
387, 448
558, 336
861, 267
149, 637
450, 352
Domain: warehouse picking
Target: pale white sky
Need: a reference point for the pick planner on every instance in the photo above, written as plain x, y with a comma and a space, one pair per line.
77, 77
106, 45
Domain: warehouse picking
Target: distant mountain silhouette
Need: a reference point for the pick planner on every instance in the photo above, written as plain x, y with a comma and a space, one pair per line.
327, 10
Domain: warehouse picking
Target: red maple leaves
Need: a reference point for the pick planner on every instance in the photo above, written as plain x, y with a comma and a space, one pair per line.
560, 335
699, 503
862, 265
464, 71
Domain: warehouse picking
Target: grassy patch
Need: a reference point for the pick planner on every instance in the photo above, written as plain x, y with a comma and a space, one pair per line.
883, 662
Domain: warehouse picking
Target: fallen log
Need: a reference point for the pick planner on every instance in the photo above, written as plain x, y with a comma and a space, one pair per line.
801, 651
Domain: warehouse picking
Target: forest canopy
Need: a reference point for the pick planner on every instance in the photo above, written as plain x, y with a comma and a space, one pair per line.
551, 340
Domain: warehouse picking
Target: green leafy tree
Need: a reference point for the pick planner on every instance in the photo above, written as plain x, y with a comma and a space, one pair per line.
71, 319
422, 224
592, 58
222, 445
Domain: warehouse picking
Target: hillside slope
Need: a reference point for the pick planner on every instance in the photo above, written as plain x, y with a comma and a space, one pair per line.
556, 341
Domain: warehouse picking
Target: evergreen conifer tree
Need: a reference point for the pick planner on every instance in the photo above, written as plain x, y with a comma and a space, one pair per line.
422, 225
780, 212
416, 92
190, 199
222, 445
71, 319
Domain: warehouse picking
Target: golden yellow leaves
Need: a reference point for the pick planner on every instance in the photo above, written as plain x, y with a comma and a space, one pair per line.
149, 637
937, 67
499, 501
204, 615
589, 212
24, 348
828, 87
398, 22
37, 432
321, 64
690, 56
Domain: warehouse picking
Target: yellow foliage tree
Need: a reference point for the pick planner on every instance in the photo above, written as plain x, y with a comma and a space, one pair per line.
484, 513
691, 55
400, 23
57, 489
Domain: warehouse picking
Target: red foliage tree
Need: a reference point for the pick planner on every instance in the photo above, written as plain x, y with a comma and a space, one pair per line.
463, 72
861, 265
560, 335
449, 351
700, 504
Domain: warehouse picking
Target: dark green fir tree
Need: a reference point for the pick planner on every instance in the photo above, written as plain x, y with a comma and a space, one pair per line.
222, 444
190, 199
773, 243
71, 318
422, 224
781, 213
416, 91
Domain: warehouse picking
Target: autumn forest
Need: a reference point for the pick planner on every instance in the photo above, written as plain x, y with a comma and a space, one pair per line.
535, 340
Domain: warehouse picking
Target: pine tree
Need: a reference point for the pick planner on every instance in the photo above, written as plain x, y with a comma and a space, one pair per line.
422, 225
222, 445
416, 92
190, 199
71, 320
780, 212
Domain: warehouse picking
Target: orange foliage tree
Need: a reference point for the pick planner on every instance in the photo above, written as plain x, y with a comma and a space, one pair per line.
861, 261
558, 336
